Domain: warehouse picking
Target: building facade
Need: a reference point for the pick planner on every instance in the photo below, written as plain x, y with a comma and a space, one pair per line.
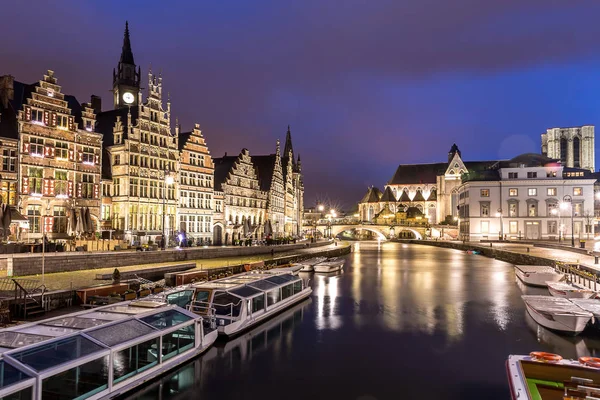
196, 190
58, 162
528, 197
143, 154
574, 147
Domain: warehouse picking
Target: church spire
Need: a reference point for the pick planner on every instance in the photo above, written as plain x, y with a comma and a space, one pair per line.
126, 53
288, 145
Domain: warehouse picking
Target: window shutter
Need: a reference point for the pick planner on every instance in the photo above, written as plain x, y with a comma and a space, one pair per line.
48, 224
71, 123
52, 152
46, 187
25, 147
71, 155
96, 191
79, 189
47, 151
97, 158
70, 189
46, 118
27, 114
79, 156
25, 185
51, 187
53, 119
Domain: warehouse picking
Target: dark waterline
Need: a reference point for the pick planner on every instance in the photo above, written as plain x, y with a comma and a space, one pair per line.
401, 322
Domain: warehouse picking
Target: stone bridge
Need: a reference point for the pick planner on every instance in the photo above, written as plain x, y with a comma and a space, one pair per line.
384, 232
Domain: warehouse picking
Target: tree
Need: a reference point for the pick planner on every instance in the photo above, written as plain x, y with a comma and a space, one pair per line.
589, 223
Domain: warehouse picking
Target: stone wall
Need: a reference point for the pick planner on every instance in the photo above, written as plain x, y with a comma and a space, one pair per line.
64, 262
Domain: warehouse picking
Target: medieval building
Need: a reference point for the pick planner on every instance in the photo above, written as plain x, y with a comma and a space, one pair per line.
574, 147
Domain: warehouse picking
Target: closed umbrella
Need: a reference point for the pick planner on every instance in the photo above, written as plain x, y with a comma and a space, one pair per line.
90, 221
268, 228
78, 222
246, 227
70, 222
6, 217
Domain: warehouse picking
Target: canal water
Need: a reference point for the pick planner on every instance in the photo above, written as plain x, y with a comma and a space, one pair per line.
401, 322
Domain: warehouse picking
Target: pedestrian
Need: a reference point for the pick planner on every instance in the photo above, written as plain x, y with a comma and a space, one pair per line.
272, 253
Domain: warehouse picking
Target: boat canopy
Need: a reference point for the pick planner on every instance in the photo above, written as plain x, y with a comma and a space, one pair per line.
554, 305
94, 351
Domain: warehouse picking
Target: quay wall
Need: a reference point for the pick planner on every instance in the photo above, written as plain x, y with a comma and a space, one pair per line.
22, 265
502, 255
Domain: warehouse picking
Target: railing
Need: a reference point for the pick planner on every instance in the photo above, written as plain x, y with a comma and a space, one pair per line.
26, 289
205, 310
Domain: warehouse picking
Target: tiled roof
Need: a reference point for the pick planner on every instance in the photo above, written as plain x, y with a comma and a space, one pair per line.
404, 197
265, 165
418, 173
373, 195
183, 138
388, 195
418, 196
222, 167
105, 122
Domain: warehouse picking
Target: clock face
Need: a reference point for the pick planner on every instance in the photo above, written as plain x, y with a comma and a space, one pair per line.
128, 97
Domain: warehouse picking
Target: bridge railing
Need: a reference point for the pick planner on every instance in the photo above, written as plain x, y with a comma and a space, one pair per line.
419, 224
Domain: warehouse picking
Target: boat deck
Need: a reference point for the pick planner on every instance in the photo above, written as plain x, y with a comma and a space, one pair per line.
554, 305
532, 269
589, 305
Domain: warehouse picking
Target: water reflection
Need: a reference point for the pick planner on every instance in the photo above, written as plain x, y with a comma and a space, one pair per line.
326, 293
566, 346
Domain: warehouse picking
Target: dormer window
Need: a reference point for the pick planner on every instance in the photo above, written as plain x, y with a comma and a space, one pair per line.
62, 121
37, 116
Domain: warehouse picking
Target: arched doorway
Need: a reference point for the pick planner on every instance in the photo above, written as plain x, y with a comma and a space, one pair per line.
218, 235
226, 238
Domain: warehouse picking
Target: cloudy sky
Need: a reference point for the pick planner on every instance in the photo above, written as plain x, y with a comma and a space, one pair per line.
364, 84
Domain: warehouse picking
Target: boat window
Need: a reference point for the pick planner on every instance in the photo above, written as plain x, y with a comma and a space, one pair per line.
262, 285
166, 319
121, 332
48, 355
279, 279
245, 291
181, 299
177, 342
17, 339
273, 297
258, 303
79, 382
22, 394
202, 296
226, 304
135, 359
297, 286
287, 291
9, 375
77, 322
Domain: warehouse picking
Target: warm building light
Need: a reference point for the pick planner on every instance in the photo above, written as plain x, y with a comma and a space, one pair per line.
169, 180
564, 206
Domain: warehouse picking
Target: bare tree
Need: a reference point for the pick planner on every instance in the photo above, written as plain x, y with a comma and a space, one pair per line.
589, 223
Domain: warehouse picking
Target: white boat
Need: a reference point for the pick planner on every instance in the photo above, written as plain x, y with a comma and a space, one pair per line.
309, 265
537, 275
242, 301
330, 265
100, 353
548, 376
590, 305
557, 313
569, 290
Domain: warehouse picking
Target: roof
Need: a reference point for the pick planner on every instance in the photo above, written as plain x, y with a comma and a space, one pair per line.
8, 121
105, 122
418, 196
222, 167
265, 166
373, 195
388, 195
432, 195
421, 173
183, 139
106, 164
404, 196
529, 160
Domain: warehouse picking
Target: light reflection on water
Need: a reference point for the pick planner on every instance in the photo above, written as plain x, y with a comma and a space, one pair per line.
401, 321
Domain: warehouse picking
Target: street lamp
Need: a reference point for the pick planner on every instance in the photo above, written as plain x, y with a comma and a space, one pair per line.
568, 199
44, 239
168, 181
499, 215
321, 207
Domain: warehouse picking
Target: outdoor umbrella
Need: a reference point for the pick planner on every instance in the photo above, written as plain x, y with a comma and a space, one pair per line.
246, 227
6, 217
2, 208
90, 222
78, 223
268, 228
70, 221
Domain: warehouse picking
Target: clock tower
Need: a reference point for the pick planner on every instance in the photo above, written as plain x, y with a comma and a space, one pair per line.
126, 79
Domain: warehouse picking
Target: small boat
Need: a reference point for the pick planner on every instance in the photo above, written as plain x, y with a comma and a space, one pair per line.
242, 301
557, 313
116, 348
543, 375
309, 265
537, 275
473, 252
569, 290
291, 268
590, 305
331, 265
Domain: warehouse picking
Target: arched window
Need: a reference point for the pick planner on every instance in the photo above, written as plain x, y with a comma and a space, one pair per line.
563, 151
576, 152
370, 215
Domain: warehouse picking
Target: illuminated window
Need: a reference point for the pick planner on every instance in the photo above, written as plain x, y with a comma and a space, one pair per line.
36, 146
513, 192
513, 227
577, 191
60, 220
551, 191
60, 182
36, 176
485, 226
34, 217
485, 193
532, 192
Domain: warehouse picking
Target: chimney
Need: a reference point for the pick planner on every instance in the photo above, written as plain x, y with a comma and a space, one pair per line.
96, 103
7, 89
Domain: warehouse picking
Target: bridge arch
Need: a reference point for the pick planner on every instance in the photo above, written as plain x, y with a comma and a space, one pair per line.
399, 229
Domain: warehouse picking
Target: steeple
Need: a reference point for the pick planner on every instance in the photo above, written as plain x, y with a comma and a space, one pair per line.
453, 150
126, 79
288, 145
126, 53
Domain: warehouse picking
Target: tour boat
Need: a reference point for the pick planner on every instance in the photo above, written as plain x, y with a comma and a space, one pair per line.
242, 301
100, 353
330, 265
557, 313
308, 265
569, 290
537, 275
548, 376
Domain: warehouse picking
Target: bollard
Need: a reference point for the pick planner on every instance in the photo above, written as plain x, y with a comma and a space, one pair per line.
528, 249
490, 244
595, 259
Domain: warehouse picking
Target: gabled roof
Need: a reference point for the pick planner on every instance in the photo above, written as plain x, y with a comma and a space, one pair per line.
388, 195
9, 111
418, 196
404, 197
413, 212
265, 165
418, 173
529, 160
222, 167
105, 122
106, 164
183, 138
373, 195
432, 195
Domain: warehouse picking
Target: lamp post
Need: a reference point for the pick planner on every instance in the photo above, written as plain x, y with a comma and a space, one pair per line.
499, 215
555, 212
168, 181
44, 239
569, 199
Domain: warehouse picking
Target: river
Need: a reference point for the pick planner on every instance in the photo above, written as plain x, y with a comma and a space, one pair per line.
401, 322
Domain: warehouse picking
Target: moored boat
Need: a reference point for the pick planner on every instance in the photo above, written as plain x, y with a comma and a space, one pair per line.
331, 265
537, 275
590, 305
242, 301
100, 353
557, 313
569, 290
308, 265
548, 376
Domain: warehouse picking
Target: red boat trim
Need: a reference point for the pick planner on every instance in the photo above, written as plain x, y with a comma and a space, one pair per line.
513, 395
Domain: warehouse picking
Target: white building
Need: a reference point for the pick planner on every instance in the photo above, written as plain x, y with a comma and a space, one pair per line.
529, 197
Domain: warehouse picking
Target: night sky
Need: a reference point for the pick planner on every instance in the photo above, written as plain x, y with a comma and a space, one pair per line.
365, 85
